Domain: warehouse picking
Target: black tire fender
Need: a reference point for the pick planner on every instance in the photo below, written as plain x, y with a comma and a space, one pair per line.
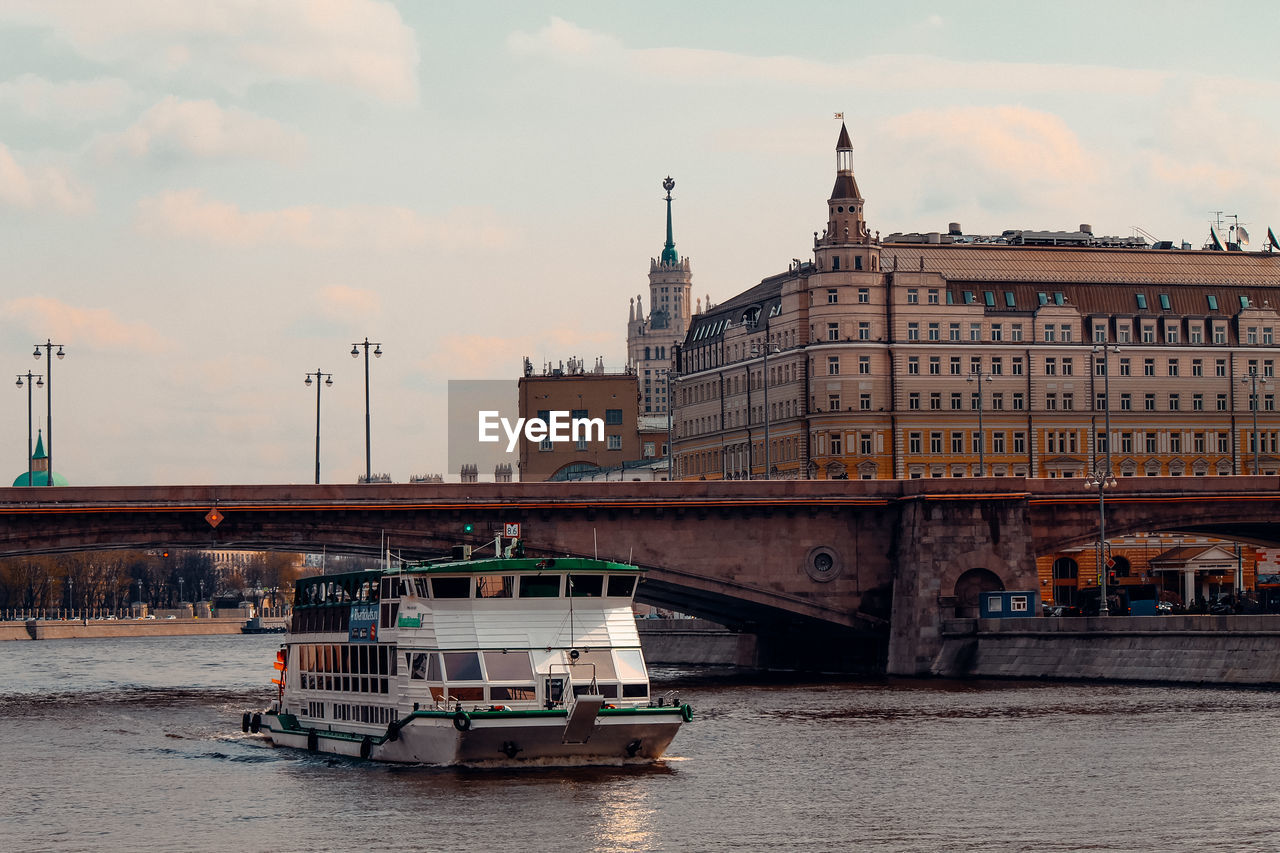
244, 722
461, 721
255, 724
366, 746
313, 741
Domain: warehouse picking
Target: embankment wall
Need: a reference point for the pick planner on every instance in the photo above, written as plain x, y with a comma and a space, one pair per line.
1177, 649
44, 629
694, 642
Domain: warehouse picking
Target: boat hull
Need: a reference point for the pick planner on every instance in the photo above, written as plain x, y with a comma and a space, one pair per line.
492, 738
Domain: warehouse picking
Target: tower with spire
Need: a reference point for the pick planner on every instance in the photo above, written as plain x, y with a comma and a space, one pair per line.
38, 474
846, 244
653, 337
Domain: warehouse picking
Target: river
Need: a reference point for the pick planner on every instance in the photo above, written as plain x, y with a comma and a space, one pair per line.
135, 744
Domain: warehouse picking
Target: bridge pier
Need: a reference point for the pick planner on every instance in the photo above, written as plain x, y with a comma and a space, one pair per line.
943, 554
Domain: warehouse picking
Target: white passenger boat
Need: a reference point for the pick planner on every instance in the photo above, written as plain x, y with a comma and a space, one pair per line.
500, 661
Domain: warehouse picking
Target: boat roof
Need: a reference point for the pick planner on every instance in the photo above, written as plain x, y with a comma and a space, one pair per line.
505, 565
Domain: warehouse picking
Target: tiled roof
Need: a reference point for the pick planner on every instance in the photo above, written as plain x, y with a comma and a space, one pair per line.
996, 263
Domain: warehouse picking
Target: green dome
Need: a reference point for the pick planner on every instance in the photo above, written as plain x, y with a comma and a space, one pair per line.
40, 478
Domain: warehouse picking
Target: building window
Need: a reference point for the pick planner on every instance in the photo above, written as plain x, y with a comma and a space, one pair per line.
935, 401
1151, 442
935, 365
997, 400
1171, 334
968, 297
913, 365
1222, 402
1009, 300
933, 296
1068, 400
935, 442
1015, 366
913, 296
613, 442
1148, 367
1050, 333
837, 444
833, 331
975, 331
1099, 333
1123, 333
1164, 301
833, 296
833, 365
953, 332
1196, 332
1175, 402
1142, 301
1224, 444
997, 442
545, 445
975, 364
1197, 402
864, 402
913, 400
1220, 367
997, 331
957, 442
864, 331
1017, 400
1175, 442
1099, 401
1019, 442
864, 443
1219, 334
1067, 333
1149, 402
833, 402
955, 365
913, 331
1173, 367
864, 364
989, 298
934, 333
1015, 332
1148, 333
1042, 298
1213, 301
864, 296
1197, 367
613, 417
1050, 367
997, 366
955, 400
1051, 401
1126, 402
914, 442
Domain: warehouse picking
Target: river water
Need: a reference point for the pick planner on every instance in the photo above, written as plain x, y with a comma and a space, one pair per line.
135, 744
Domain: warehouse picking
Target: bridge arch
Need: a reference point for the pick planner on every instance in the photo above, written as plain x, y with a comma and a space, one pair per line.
970, 586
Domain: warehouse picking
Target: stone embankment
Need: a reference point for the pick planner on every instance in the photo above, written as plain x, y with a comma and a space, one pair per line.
67, 629
1177, 649
697, 642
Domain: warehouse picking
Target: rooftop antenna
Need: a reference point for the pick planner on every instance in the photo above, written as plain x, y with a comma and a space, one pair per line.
1271, 240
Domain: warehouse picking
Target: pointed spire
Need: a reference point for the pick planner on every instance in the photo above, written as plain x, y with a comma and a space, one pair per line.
631, 311
846, 186
669, 256
39, 452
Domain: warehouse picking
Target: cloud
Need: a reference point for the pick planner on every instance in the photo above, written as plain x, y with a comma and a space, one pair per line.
567, 43
39, 187
1003, 156
359, 44
339, 302
175, 127
187, 214
500, 356
99, 328
69, 102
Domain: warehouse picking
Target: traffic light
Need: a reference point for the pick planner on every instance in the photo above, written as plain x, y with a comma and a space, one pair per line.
1111, 578
468, 527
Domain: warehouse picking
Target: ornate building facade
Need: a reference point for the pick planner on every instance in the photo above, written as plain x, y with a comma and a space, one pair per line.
1037, 354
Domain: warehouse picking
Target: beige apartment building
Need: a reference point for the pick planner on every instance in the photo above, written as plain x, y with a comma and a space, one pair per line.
946, 355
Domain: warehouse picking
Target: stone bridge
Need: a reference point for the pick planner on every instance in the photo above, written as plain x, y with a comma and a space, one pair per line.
831, 574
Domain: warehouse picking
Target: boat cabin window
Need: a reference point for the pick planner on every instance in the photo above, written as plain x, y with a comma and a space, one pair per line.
390, 587
451, 587
462, 666
512, 693
608, 691
539, 586
586, 586
603, 662
508, 666
621, 585
630, 664
495, 586
423, 665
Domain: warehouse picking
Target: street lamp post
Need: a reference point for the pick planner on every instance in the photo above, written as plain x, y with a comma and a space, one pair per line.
1252, 379
39, 383
980, 377
328, 380
1101, 478
758, 349
48, 424
377, 353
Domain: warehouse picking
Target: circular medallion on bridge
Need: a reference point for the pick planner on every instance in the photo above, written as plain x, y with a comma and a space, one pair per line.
823, 564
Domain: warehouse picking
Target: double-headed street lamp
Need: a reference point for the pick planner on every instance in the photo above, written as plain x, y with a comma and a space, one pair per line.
377, 353
327, 380
38, 383
48, 424
1253, 380
1103, 476
980, 377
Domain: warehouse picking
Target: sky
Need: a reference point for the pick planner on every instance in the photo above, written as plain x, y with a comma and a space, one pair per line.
203, 202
